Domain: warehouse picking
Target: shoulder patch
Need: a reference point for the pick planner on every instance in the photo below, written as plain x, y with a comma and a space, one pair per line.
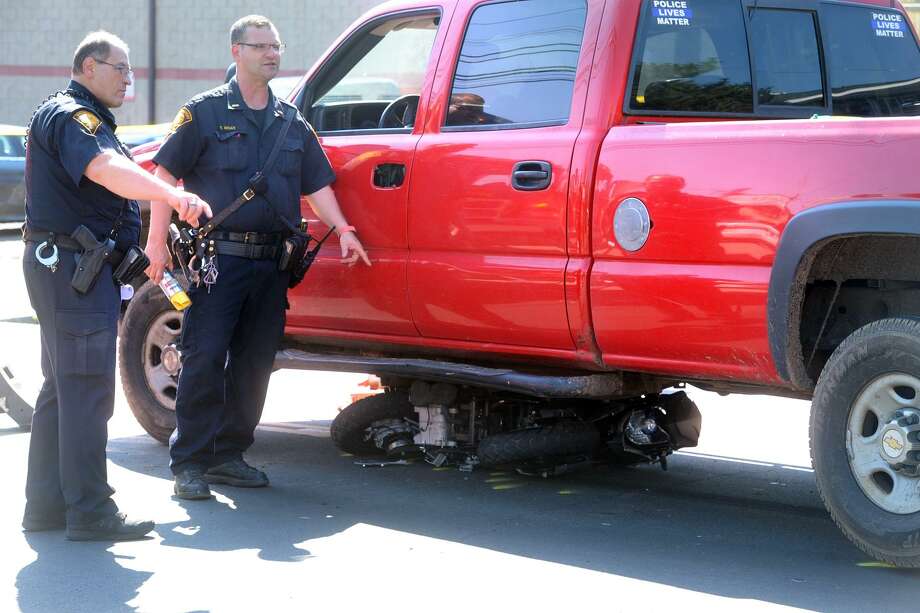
88, 121
183, 117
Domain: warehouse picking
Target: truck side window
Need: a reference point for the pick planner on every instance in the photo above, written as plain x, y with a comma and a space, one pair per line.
383, 63
692, 55
874, 62
787, 64
517, 63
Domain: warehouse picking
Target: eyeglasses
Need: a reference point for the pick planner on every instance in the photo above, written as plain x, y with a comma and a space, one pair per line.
123, 69
263, 47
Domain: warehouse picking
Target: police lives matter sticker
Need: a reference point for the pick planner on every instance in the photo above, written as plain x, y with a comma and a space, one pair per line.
672, 12
889, 25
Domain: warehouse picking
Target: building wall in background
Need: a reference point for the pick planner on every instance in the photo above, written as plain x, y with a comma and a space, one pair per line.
37, 40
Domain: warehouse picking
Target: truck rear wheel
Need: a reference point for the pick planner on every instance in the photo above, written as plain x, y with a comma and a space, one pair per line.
148, 359
865, 439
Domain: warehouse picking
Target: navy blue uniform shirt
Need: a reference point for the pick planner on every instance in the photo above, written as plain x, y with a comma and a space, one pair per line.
67, 131
217, 143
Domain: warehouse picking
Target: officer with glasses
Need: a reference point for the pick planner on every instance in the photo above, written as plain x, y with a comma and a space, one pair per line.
236, 142
82, 222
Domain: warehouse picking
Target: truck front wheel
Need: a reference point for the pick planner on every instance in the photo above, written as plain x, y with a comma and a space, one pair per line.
149, 361
865, 439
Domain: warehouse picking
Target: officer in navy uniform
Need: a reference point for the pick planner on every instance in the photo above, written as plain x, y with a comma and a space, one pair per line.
78, 174
232, 329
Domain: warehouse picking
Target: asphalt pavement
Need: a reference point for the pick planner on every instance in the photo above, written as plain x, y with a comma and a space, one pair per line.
734, 525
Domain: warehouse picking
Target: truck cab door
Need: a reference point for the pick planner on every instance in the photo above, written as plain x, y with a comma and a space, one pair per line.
366, 100
488, 202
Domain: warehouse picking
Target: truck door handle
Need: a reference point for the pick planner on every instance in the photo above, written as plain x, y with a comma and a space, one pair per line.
389, 176
531, 176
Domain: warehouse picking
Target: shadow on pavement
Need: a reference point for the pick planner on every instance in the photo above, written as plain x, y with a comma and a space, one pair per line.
718, 527
92, 570
266, 519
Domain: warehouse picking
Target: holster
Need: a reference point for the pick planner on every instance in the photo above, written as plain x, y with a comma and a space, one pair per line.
134, 262
296, 258
90, 262
184, 248
293, 250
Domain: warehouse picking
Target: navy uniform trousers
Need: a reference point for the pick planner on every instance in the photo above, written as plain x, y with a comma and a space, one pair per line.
67, 465
230, 335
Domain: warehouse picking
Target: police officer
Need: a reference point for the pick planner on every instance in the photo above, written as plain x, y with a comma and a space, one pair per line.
78, 174
230, 333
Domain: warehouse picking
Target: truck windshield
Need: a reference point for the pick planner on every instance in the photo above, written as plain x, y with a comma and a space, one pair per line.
873, 61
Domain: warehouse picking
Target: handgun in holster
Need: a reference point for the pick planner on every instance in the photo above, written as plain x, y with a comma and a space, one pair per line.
91, 260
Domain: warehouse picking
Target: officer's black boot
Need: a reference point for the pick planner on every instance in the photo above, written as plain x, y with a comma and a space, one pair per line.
236, 473
190, 484
110, 528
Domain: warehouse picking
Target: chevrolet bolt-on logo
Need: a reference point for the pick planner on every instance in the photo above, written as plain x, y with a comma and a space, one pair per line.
893, 444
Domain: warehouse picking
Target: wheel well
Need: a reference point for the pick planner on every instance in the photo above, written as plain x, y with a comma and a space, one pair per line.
845, 283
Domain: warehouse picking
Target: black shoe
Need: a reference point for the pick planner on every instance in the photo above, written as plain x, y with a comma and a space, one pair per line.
112, 528
43, 523
190, 485
237, 473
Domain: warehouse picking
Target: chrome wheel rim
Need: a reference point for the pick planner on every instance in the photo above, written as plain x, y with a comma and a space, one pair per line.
162, 361
883, 442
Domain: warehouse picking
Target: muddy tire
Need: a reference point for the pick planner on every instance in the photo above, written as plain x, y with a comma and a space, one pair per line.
865, 439
349, 426
148, 360
559, 440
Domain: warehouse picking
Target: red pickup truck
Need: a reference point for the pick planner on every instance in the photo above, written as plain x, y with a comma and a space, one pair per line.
575, 207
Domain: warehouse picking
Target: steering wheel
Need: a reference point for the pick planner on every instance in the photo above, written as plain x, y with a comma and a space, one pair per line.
400, 113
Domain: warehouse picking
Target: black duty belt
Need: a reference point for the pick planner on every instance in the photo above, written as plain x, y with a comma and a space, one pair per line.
249, 238
63, 241
246, 250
